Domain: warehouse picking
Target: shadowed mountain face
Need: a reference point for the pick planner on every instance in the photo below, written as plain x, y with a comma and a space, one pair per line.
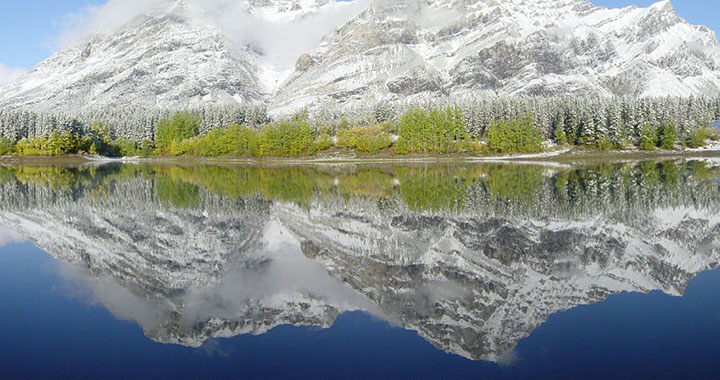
473, 258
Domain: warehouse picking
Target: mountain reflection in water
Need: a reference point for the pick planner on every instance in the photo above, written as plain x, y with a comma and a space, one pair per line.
472, 257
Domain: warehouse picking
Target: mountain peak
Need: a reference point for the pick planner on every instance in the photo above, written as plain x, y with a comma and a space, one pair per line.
296, 53
663, 5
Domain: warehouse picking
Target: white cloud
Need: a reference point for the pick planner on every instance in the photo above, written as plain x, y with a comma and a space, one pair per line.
8, 237
289, 276
99, 290
232, 16
91, 20
9, 74
280, 38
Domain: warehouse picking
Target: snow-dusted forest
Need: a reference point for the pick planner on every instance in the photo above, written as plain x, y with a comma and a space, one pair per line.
580, 120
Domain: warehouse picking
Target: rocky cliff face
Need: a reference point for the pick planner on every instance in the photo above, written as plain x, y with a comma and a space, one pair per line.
391, 50
420, 49
472, 281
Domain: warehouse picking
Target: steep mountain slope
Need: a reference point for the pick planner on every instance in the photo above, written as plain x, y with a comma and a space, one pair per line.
272, 51
420, 48
159, 61
180, 54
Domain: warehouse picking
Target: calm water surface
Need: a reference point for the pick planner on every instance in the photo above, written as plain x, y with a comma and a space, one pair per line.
425, 271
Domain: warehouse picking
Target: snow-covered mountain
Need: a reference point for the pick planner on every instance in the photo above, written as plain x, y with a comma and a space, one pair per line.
290, 54
411, 48
159, 60
473, 282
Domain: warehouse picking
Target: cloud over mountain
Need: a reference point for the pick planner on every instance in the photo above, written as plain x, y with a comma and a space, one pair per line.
9, 74
290, 54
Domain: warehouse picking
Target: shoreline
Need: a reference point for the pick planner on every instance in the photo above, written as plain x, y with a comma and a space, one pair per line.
560, 156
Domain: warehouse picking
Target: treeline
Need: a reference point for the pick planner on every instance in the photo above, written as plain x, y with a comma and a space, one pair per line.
419, 131
134, 124
492, 125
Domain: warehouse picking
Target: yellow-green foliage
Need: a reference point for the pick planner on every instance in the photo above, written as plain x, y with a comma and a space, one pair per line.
288, 139
231, 141
102, 142
668, 136
125, 148
648, 137
435, 188
177, 192
54, 145
371, 139
55, 177
324, 139
180, 127
698, 138
514, 183
97, 141
514, 136
434, 131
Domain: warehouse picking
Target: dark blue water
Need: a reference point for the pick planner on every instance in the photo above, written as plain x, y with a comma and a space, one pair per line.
416, 272
49, 330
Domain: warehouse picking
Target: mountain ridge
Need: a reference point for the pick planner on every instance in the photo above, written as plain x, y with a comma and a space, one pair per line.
382, 51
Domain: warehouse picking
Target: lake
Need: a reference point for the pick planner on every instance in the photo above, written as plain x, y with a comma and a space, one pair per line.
452, 271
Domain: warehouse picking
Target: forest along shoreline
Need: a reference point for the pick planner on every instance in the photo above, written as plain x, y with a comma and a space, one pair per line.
416, 133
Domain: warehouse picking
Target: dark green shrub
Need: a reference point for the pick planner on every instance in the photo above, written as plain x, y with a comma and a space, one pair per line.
604, 143
147, 147
560, 136
126, 148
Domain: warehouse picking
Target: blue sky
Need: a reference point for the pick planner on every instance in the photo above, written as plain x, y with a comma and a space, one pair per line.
29, 29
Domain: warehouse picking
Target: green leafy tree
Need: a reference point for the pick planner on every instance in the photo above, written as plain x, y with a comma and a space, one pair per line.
6, 146
669, 136
560, 136
648, 137
434, 131
180, 127
288, 138
514, 136
234, 140
370, 140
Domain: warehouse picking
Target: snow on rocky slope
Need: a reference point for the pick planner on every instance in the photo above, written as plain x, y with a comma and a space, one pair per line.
163, 60
314, 52
410, 48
